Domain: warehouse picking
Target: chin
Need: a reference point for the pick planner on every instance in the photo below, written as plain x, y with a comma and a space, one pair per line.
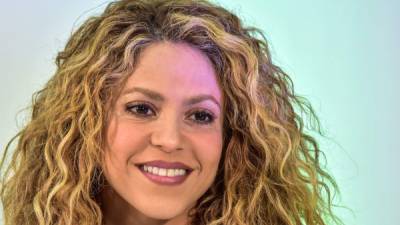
164, 211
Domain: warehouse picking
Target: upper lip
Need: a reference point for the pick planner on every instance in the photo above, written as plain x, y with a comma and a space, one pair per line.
167, 165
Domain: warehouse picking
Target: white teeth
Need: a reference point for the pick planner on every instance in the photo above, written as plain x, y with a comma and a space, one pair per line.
171, 172
164, 171
155, 170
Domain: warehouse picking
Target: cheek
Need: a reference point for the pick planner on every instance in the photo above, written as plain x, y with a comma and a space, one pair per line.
123, 140
209, 150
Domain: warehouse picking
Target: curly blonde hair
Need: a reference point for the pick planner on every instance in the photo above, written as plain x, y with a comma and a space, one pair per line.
270, 171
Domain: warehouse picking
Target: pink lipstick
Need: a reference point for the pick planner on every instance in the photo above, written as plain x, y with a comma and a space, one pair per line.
165, 173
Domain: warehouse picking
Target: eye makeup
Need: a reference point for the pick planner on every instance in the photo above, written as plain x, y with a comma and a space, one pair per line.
145, 110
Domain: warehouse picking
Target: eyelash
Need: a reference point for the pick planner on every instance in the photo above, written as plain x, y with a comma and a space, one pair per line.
129, 107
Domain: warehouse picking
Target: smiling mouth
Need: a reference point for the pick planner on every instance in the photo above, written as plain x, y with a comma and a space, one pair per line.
157, 170
163, 176
161, 164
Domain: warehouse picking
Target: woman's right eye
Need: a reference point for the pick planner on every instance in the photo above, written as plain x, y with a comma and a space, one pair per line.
141, 110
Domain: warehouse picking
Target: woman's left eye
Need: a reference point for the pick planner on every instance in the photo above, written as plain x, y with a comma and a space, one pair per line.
203, 117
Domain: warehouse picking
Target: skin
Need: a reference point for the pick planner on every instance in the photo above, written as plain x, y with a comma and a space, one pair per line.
169, 130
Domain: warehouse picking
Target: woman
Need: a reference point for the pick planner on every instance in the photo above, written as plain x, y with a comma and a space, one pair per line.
166, 112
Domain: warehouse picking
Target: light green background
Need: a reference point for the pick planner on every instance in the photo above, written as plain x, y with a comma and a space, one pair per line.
342, 55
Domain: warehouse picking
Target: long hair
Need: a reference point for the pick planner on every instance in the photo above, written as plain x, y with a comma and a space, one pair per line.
269, 173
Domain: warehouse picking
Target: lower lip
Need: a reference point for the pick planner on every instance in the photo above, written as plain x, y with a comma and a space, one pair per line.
164, 180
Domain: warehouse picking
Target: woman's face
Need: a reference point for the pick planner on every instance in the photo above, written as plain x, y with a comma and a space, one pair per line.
169, 110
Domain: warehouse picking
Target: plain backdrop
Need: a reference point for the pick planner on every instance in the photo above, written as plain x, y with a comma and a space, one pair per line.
342, 55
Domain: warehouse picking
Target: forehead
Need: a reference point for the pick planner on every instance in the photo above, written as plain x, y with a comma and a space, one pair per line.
175, 69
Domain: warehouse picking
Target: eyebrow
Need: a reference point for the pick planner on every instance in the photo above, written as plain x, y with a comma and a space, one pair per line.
158, 97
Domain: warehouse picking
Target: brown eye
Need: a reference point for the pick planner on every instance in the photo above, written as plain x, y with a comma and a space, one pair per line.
142, 109
203, 117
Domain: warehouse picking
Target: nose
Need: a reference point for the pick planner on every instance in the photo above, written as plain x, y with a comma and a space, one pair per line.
167, 135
